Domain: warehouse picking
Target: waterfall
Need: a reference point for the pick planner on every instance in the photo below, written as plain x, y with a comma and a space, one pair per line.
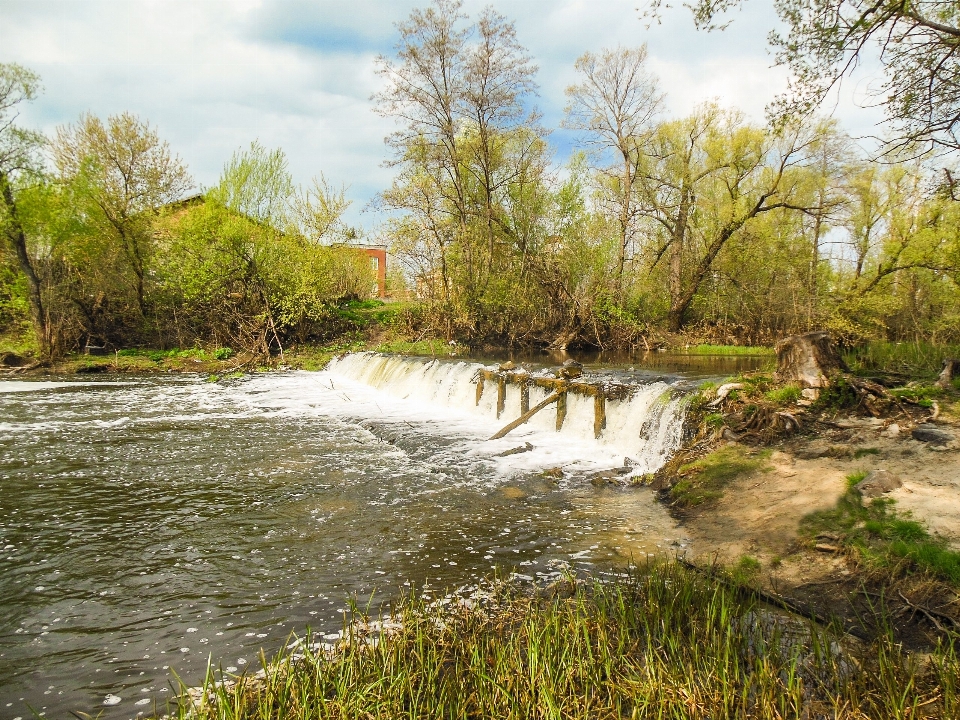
642, 430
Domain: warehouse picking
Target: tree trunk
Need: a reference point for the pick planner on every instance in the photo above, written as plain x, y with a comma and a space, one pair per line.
18, 240
808, 360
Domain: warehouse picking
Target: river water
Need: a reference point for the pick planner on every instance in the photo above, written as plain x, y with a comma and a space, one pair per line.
153, 523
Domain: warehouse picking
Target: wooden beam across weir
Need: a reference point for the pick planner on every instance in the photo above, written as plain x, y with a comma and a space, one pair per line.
600, 392
610, 391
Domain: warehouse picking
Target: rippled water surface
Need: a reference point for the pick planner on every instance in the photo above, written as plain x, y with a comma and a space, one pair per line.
147, 524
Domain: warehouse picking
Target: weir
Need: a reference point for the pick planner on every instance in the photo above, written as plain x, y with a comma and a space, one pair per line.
596, 420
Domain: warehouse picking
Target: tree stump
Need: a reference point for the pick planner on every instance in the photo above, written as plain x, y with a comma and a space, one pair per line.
950, 367
808, 360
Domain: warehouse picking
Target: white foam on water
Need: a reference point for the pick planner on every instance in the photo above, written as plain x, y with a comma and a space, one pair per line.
19, 386
439, 398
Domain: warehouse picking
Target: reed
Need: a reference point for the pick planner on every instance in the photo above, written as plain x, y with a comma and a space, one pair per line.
746, 350
661, 641
913, 359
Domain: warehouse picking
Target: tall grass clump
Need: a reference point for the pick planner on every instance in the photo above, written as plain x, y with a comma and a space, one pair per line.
660, 642
914, 359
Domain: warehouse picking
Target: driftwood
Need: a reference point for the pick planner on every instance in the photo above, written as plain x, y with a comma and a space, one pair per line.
808, 360
527, 415
723, 391
950, 367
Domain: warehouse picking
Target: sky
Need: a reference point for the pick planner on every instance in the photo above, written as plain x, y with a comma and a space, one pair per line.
213, 75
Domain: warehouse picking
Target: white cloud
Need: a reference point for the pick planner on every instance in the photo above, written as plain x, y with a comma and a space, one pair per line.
212, 75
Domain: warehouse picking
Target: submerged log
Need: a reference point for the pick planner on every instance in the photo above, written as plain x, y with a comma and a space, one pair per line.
526, 416
808, 360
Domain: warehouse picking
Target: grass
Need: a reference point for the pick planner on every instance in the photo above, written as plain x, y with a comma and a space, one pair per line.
881, 536
660, 642
704, 479
915, 359
922, 395
725, 350
433, 347
786, 395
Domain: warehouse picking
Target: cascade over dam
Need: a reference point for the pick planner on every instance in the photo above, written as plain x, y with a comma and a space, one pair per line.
596, 420
150, 523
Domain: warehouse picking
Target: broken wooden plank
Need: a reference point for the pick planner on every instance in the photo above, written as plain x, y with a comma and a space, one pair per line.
524, 398
479, 389
526, 416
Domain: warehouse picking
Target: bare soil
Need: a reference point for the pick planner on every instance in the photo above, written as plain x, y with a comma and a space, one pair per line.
759, 516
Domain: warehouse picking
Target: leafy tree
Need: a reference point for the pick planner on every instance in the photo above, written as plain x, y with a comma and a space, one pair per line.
318, 211
20, 159
124, 174
257, 183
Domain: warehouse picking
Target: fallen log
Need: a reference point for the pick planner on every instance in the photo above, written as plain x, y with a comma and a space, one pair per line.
526, 416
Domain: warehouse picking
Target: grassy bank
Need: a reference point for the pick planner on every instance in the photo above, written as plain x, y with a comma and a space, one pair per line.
744, 350
880, 537
661, 642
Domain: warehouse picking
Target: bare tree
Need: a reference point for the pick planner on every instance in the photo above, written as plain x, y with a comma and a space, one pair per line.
498, 76
614, 105
424, 90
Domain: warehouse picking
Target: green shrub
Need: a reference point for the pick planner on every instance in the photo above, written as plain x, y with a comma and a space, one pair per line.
787, 395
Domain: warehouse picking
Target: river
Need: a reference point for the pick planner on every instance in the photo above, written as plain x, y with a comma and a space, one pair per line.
149, 524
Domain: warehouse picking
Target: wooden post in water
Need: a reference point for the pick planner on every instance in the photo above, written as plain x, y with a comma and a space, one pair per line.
501, 395
524, 399
479, 388
599, 413
561, 408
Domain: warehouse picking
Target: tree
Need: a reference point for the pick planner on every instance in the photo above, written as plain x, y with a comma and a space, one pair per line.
614, 105
702, 180
918, 42
498, 75
318, 210
468, 153
19, 158
126, 174
257, 183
